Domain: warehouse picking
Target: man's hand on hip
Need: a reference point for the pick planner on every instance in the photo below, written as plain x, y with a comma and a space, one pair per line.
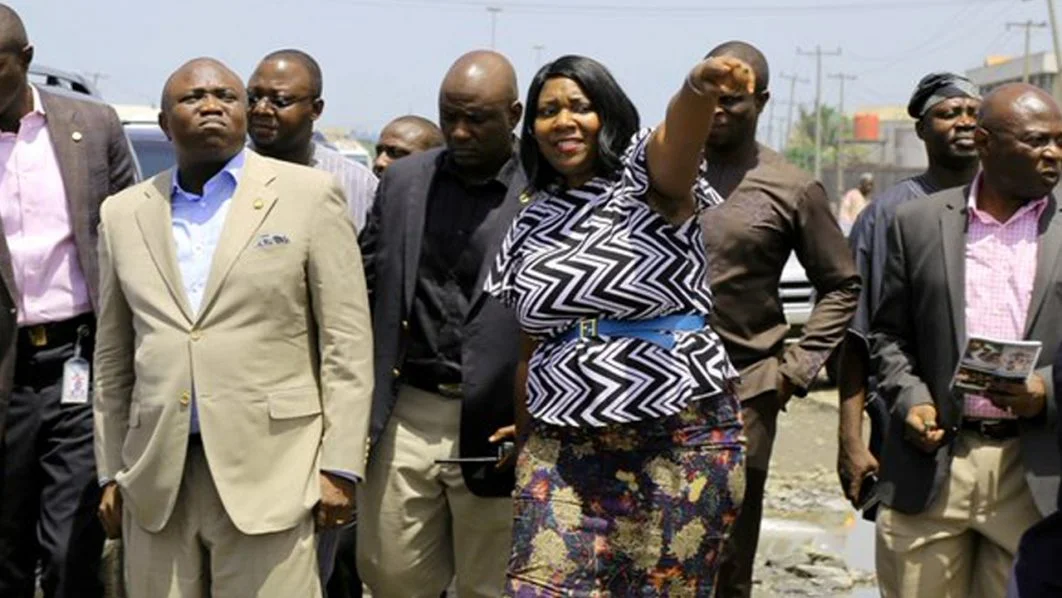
336, 507
110, 510
921, 428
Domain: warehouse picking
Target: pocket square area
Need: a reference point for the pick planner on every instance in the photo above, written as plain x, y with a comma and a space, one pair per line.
270, 239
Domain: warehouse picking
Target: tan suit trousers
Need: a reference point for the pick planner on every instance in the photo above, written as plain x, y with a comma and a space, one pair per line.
963, 545
419, 526
200, 553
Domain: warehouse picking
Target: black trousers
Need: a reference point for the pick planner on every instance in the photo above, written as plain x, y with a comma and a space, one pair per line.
48, 489
345, 582
760, 415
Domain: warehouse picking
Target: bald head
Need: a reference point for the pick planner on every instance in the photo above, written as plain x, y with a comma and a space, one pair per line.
478, 109
1014, 101
748, 53
484, 73
309, 65
12, 32
191, 67
1019, 141
204, 113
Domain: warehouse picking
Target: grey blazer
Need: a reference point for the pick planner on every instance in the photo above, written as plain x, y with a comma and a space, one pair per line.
919, 329
95, 161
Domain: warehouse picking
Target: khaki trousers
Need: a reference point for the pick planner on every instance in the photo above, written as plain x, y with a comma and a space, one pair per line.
963, 545
418, 524
201, 554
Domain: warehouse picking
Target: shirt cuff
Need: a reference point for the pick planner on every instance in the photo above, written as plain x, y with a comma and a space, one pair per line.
105, 481
346, 475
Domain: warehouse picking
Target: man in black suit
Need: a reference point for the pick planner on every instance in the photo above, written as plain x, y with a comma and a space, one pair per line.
445, 353
59, 157
963, 475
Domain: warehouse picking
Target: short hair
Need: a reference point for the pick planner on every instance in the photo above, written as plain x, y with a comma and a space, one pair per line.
751, 55
13, 36
430, 130
618, 116
307, 61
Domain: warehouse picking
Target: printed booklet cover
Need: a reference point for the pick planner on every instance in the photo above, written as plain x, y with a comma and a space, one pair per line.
987, 361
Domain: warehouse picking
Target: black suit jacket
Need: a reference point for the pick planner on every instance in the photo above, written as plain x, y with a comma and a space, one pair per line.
94, 161
391, 248
919, 329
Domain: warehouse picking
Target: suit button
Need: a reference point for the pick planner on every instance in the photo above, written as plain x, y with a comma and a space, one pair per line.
186, 398
396, 372
196, 335
405, 325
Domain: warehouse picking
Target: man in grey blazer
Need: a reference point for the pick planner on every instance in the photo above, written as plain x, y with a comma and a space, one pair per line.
59, 157
963, 475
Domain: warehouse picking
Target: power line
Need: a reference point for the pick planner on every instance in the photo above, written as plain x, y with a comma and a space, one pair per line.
947, 25
936, 43
674, 9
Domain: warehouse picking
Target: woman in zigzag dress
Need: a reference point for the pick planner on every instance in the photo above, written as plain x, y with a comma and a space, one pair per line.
631, 468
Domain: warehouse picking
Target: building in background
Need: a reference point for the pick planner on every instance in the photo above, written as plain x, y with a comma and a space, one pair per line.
882, 142
997, 70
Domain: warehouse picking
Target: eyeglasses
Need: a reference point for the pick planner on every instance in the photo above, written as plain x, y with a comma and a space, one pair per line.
277, 102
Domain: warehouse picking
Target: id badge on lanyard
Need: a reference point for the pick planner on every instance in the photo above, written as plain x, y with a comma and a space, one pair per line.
77, 373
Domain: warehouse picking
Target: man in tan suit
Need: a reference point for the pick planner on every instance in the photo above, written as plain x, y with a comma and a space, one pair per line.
233, 359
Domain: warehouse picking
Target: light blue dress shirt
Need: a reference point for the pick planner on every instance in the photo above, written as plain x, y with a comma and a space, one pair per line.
197, 224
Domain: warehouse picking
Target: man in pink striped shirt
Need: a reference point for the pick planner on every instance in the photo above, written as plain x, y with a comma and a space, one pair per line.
59, 157
963, 476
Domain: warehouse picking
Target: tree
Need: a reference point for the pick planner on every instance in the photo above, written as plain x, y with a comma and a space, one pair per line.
800, 147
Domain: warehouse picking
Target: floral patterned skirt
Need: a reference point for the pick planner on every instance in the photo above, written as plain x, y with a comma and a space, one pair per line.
628, 510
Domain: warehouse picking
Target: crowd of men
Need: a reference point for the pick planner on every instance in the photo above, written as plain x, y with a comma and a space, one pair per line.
297, 382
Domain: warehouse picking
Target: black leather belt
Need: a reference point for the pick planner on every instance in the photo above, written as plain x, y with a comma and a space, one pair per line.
53, 334
448, 390
993, 429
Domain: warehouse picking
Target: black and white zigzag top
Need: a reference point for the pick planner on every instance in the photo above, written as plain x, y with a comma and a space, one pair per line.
600, 251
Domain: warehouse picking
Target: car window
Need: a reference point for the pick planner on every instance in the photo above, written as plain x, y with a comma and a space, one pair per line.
153, 151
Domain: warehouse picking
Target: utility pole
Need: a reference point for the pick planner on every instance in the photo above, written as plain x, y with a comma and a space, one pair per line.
793, 80
494, 11
841, 77
1028, 26
818, 54
1057, 87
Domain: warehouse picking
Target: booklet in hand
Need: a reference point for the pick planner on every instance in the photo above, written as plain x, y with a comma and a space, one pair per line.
988, 361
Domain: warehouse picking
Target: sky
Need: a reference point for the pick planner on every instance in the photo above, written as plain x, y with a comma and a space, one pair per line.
384, 58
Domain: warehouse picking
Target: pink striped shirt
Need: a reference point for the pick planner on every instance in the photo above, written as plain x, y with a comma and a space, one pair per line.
1000, 269
36, 222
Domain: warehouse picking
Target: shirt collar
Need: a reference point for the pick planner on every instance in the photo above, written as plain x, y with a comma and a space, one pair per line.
504, 175
38, 105
1036, 206
229, 174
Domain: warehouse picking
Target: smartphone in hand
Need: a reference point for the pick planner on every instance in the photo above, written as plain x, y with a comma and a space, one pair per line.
868, 495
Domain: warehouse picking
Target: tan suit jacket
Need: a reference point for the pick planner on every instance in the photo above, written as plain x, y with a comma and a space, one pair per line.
279, 355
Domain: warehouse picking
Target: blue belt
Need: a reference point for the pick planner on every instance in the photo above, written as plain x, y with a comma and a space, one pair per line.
658, 331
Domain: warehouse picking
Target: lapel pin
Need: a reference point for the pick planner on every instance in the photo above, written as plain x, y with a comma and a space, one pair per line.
258, 204
76, 136
525, 197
